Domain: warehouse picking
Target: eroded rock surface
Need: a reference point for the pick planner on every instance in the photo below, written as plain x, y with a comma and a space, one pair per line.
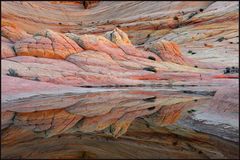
154, 71
47, 44
12, 32
90, 60
7, 50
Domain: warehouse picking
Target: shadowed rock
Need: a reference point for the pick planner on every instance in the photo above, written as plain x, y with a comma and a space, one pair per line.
90, 4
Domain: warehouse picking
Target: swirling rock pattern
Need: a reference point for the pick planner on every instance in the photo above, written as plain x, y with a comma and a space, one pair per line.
167, 51
13, 33
145, 77
47, 44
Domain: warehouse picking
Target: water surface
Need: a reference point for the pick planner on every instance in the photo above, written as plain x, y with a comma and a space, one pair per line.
116, 123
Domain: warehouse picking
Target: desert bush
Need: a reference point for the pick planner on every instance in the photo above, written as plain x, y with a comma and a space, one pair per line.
12, 72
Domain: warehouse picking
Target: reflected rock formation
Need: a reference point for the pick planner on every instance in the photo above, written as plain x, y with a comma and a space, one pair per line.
139, 123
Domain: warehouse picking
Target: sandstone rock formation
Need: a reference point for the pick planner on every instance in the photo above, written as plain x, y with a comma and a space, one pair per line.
145, 77
6, 50
118, 36
12, 32
47, 44
102, 61
89, 4
167, 51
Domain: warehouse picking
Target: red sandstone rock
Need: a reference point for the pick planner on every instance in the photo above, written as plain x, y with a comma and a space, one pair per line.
162, 124
14, 87
5, 40
7, 50
100, 122
226, 76
13, 34
121, 126
96, 59
120, 38
90, 4
47, 44
55, 122
225, 103
167, 51
170, 52
98, 43
6, 119
63, 72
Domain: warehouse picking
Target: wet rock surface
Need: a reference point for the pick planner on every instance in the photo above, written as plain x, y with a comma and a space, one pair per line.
158, 119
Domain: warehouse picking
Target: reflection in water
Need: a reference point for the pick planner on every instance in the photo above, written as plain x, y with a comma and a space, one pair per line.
117, 124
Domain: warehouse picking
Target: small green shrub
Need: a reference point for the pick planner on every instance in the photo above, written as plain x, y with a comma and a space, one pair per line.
36, 34
191, 52
151, 69
220, 39
12, 72
14, 49
191, 15
111, 128
36, 79
191, 111
150, 99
